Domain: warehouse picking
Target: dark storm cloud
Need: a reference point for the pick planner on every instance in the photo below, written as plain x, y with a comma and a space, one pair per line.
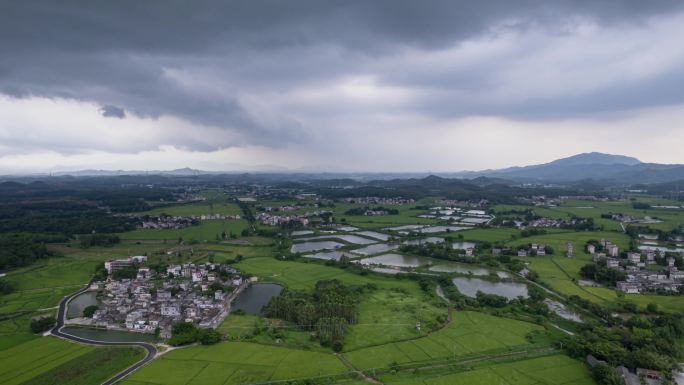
112, 112
197, 59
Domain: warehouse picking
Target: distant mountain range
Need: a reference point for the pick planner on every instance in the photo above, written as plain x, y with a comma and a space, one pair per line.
594, 166
597, 166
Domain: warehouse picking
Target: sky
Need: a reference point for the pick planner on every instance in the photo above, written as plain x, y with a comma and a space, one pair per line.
311, 85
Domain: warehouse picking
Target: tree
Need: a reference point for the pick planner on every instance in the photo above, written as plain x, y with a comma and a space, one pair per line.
536, 294
652, 307
89, 311
209, 337
605, 375
42, 324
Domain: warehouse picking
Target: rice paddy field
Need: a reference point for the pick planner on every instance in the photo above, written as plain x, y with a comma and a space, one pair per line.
468, 332
390, 315
235, 363
555, 369
30, 359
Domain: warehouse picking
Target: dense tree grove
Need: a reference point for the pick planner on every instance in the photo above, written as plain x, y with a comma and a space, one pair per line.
60, 218
602, 274
186, 333
23, 249
328, 310
638, 342
86, 241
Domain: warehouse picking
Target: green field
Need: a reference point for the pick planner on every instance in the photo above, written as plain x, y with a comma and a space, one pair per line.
406, 215
549, 370
303, 276
206, 231
390, 315
468, 332
30, 359
235, 363
92, 367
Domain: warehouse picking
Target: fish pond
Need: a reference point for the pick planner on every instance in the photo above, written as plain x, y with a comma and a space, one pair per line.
464, 268
252, 299
315, 246
470, 287
375, 249
80, 302
397, 260
330, 255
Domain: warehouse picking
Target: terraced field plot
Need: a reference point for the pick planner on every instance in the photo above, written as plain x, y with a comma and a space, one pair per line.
235, 363
468, 332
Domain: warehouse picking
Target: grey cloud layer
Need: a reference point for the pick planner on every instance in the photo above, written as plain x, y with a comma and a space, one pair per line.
232, 64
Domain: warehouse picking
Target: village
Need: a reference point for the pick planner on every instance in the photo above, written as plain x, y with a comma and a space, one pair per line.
153, 301
168, 222
637, 266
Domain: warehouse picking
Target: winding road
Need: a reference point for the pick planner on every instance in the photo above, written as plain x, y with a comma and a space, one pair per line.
57, 331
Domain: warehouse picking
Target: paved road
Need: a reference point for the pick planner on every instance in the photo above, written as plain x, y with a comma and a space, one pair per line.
57, 331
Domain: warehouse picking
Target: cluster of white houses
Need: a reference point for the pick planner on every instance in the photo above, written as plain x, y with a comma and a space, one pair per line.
166, 222
639, 279
302, 219
155, 301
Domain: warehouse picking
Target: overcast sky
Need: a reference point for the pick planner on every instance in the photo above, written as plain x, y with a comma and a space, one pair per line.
337, 85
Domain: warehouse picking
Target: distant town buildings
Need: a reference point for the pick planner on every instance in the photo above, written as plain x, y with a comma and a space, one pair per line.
377, 200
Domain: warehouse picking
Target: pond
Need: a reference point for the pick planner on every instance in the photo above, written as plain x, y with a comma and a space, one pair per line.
329, 255
562, 311
301, 233
397, 260
404, 227
374, 234
253, 298
477, 221
345, 237
347, 228
108, 335
656, 248
315, 246
423, 241
375, 249
441, 229
82, 301
455, 267
470, 287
